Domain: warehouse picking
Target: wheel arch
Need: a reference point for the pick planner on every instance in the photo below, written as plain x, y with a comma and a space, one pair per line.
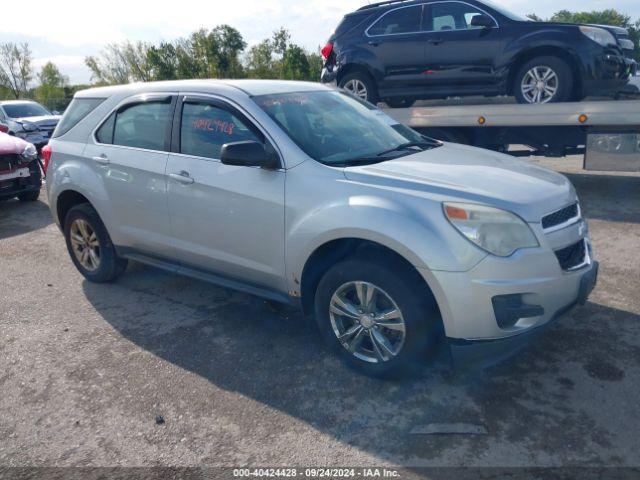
352, 68
336, 250
66, 200
545, 51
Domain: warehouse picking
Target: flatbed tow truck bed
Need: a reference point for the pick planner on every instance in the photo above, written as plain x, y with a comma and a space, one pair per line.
606, 132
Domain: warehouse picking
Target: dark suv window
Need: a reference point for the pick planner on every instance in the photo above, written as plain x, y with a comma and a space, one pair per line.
140, 125
401, 20
206, 128
450, 16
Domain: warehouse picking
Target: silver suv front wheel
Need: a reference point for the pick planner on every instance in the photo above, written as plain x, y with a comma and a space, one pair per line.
367, 322
377, 313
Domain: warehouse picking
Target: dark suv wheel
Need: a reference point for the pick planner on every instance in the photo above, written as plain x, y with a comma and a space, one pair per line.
375, 316
361, 85
543, 80
400, 102
90, 246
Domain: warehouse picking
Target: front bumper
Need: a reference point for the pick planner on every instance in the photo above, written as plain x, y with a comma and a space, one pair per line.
476, 306
608, 73
15, 186
485, 353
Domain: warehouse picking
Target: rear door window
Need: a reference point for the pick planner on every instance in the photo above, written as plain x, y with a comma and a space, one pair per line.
401, 20
205, 128
141, 125
451, 16
78, 109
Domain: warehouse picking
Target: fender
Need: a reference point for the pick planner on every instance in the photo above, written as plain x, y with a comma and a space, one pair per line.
362, 58
76, 175
380, 220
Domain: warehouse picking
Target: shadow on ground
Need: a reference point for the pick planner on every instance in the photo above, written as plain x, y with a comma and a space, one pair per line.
276, 358
18, 218
608, 197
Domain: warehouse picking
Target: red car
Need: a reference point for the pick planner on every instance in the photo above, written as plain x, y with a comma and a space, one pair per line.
19, 169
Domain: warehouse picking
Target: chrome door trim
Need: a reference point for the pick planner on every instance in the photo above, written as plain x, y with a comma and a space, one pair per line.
366, 32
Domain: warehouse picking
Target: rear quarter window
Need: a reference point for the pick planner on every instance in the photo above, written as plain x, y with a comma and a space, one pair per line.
76, 111
350, 22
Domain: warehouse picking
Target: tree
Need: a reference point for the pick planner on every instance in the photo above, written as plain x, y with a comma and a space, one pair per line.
277, 57
15, 68
52, 86
121, 63
162, 61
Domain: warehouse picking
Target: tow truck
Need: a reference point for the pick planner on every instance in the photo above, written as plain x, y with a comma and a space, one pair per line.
605, 132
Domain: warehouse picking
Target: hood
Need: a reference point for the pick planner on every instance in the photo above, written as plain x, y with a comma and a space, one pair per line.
461, 173
43, 121
10, 145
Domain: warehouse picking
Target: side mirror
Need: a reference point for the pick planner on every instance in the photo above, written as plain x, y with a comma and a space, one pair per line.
4, 128
247, 154
483, 21
56, 112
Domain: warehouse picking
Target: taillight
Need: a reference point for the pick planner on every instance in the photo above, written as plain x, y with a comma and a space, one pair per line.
326, 50
4, 128
46, 157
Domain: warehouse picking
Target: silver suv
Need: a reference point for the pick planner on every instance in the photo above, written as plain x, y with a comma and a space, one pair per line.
302, 194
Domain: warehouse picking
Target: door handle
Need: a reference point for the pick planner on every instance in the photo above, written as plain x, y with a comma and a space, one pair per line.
374, 43
435, 41
182, 177
102, 160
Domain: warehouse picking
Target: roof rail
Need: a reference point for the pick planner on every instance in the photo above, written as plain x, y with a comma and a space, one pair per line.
379, 4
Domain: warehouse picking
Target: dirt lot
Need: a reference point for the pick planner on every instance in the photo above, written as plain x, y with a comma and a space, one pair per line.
86, 369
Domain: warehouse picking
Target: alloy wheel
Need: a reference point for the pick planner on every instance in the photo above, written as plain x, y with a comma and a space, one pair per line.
85, 244
358, 88
367, 322
539, 85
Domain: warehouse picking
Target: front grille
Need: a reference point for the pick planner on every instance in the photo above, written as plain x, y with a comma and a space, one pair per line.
8, 162
561, 216
572, 256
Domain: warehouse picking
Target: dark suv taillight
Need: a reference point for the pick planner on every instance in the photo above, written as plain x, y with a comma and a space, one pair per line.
327, 50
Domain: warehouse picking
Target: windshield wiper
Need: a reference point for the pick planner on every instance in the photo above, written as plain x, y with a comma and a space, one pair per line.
404, 146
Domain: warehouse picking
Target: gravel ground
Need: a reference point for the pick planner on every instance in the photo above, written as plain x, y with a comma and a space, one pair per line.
86, 371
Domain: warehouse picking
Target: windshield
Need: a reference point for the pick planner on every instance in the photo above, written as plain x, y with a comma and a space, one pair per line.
27, 109
506, 13
336, 129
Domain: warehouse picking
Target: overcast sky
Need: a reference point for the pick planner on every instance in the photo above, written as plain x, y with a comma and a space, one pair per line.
65, 31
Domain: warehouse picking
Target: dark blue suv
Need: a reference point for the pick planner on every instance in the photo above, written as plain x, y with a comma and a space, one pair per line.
401, 51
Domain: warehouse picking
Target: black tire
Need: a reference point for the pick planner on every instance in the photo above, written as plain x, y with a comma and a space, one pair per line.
30, 196
368, 82
405, 288
564, 86
400, 102
110, 265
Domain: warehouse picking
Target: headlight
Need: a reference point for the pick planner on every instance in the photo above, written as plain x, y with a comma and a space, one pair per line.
29, 127
599, 35
497, 231
30, 152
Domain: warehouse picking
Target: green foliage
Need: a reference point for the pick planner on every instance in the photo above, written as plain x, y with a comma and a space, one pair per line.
278, 58
52, 86
15, 69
